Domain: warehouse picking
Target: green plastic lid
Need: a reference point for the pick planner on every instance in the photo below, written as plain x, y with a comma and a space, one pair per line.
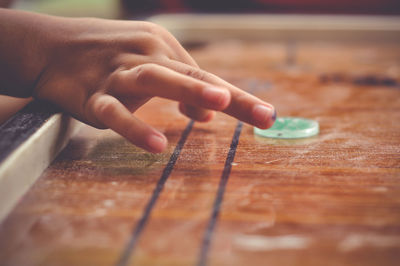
290, 128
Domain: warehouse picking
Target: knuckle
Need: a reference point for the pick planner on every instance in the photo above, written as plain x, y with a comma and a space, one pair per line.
157, 33
149, 26
154, 28
154, 44
148, 37
196, 73
116, 79
145, 73
106, 108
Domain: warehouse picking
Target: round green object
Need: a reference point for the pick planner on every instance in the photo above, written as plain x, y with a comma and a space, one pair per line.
290, 128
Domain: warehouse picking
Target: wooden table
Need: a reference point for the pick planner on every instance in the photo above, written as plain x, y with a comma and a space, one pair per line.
221, 195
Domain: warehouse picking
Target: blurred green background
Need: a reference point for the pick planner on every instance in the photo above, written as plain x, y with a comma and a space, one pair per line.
72, 8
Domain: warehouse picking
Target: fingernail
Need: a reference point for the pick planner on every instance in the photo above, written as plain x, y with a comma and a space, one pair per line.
274, 115
262, 115
215, 97
156, 143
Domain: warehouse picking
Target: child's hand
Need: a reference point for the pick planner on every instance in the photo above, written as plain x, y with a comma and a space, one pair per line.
101, 71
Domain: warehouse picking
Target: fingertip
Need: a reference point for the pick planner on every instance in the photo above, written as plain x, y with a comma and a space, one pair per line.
156, 143
263, 116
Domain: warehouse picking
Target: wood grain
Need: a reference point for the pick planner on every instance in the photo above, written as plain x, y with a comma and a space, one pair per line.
333, 199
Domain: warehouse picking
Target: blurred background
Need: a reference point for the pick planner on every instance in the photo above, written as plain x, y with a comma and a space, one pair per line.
141, 8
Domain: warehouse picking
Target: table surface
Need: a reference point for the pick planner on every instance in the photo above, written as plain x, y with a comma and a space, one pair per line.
221, 195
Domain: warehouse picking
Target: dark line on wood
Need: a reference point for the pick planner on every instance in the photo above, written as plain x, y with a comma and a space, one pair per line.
219, 197
130, 247
22, 125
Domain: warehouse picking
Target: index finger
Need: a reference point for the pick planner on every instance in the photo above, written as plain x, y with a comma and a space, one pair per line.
243, 105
